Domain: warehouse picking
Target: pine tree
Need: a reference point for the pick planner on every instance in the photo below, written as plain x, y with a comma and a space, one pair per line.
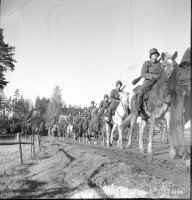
6, 59
55, 106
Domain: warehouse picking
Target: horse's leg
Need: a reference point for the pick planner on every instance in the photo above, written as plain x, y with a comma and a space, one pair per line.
83, 135
151, 134
86, 136
111, 138
180, 128
166, 127
120, 139
103, 135
173, 129
89, 135
133, 118
141, 130
108, 129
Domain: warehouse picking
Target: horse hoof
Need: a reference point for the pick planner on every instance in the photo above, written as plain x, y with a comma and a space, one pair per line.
186, 155
173, 154
142, 150
165, 141
150, 152
188, 162
128, 146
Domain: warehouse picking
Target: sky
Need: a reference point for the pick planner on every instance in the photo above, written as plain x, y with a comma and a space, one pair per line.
85, 46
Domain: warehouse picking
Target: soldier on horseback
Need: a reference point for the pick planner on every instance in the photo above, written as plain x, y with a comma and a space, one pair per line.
115, 99
150, 72
90, 110
104, 104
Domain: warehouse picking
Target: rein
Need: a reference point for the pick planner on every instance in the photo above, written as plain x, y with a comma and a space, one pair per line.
123, 107
162, 79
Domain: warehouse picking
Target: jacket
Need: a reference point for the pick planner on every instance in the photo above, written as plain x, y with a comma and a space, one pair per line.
114, 95
104, 104
149, 69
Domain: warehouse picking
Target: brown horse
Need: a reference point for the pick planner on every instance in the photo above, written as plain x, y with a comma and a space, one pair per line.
156, 106
179, 89
93, 124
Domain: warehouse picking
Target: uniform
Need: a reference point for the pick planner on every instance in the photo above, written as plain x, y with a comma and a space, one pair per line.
149, 69
102, 106
115, 98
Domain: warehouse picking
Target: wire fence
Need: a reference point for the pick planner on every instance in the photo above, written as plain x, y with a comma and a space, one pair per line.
9, 148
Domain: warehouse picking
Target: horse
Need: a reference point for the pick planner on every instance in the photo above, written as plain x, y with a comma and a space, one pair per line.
156, 106
93, 124
78, 128
121, 113
69, 130
179, 90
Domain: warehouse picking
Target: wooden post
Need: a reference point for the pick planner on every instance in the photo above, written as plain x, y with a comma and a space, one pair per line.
39, 140
38, 147
20, 149
31, 145
33, 136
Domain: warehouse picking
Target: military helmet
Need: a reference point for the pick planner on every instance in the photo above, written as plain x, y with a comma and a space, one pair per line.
106, 95
118, 82
92, 102
153, 51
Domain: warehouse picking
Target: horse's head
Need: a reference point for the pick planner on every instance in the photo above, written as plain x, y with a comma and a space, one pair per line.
124, 99
169, 63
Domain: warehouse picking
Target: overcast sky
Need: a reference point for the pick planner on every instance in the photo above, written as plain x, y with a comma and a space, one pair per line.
85, 46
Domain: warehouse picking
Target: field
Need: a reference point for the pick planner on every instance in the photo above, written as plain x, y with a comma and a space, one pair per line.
67, 169
9, 154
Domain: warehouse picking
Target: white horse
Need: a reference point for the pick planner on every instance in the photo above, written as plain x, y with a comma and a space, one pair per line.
121, 113
69, 130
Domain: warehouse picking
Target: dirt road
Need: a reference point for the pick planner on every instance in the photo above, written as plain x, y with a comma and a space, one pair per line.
66, 169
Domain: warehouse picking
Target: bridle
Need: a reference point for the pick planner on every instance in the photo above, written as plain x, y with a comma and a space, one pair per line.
122, 104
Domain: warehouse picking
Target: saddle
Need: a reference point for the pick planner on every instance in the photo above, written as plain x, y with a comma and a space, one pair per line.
146, 94
106, 111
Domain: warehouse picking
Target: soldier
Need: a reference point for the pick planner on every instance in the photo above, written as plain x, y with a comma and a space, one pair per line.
150, 72
115, 99
85, 112
90, 109
69, 119
104, 104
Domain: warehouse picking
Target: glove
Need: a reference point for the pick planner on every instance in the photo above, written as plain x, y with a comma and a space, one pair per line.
155, 76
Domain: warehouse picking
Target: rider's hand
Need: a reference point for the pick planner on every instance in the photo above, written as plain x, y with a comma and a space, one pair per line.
117, 101
155, 76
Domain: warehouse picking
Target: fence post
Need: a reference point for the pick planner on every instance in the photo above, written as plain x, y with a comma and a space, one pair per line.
39, 140
38, 143
33, 136
20, 149
31, 145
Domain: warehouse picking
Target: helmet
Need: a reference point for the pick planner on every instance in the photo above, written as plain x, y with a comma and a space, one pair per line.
106, 95
92, 102
118, 82
153, 51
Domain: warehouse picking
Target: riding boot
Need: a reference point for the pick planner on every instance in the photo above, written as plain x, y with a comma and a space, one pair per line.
110, 117
140, 99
